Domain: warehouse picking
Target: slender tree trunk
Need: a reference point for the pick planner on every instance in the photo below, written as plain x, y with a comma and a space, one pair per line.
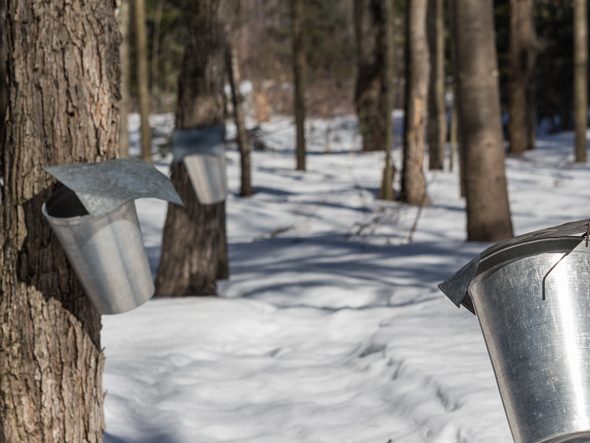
437, 115
580, 77
142, 81
63, 88
299, 67
194, 239
417, 74
522, 55
156, 48
385, 49
125, 64
370, 73
488, 213
234, 81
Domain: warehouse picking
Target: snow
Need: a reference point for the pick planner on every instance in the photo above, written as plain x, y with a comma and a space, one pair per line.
331, 327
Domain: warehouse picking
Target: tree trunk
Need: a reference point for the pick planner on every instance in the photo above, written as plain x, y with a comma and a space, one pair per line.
63, 87
142, 81
488, 213
156, 49
580, 77
417, 74
234, 81
522, 60
193, 243
385, 52
3, 91
125, 68
370, 75
437, 114
299, 67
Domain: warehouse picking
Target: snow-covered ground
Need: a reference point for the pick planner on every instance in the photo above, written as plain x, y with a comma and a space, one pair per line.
331, 328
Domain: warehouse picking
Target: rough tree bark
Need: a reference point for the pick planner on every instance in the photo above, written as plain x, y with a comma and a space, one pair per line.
63, 88
194, 250
125, 68
234, 81
299, 67
522, 63
488, 213
142, 80
368, 101
413, 189
437, 113
580, 77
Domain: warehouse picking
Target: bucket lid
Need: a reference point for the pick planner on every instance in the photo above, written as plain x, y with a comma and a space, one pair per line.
563, 237
204, 141
104, 186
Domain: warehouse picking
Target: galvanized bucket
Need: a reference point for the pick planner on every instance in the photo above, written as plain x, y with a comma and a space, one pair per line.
203, 154
106, 251
532, 299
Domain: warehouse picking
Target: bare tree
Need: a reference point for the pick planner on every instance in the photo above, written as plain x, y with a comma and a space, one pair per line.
125, 64
385, 50
417, 74
488, 212
233, 70
298, 31
580, 77
194, 248
522, 63
437, 115
142, 81
50, 355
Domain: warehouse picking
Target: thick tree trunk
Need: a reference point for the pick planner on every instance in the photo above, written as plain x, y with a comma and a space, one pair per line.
63, 85
369, 102
234, 81
385, 49
142, 80
488, 213
299, 67
194, 249
522, 60
580, 77
125, 68
417, 74
437, 114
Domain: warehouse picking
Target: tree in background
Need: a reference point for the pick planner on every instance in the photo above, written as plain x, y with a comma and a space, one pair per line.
437, 114
233, 70
368, 101
194, 248
413, 187
298, 30
385, 48
125, 62
521, 128
488, 213
50, 355
580, 77
142, 80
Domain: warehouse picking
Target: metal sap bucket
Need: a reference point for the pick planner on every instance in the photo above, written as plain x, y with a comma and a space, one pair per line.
93, 216
203, 154
531, 295
106, 252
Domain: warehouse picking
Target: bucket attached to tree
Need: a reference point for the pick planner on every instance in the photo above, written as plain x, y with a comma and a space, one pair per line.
531, 295
95, 221
203, 154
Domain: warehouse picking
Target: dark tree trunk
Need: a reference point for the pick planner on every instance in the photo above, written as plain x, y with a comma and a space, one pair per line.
234, 80
488, 213
437, 115
417, 74
299, 67
580, 77
125, 65
142, 80
63, 88
522, 61
369, 101
385, 51
194, 250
